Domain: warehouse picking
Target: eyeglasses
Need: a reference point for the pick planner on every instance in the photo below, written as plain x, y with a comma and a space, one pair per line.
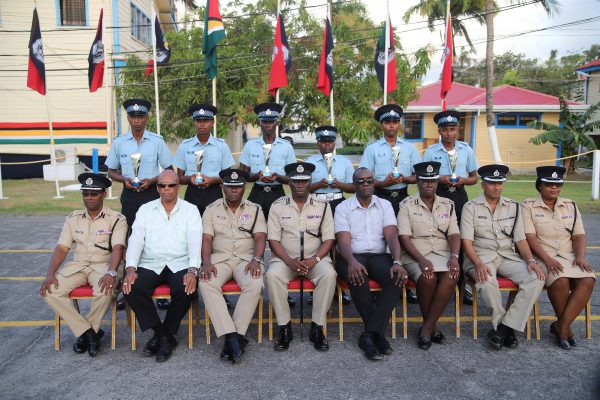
365, 181
553, 184
90, 194
165, 185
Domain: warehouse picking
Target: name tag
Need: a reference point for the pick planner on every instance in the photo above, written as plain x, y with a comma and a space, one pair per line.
444, 216
79, 232
538, 215
482, 217
504, 219
567, 216
313, 216
103, 232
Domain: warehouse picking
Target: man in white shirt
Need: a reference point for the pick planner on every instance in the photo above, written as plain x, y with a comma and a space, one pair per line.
164, 247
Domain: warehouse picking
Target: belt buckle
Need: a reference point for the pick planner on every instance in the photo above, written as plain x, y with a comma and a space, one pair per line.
451, 189
267, 188
394, 194
329, 196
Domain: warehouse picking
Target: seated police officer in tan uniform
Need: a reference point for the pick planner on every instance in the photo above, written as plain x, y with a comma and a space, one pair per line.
491, 227
295, 222
233, 243
98, 235
554, 231
430, 237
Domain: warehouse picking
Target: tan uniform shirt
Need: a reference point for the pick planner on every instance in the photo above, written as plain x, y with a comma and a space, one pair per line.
232, 233
428, 229
553, 228
89, 239
286, 222
490, 232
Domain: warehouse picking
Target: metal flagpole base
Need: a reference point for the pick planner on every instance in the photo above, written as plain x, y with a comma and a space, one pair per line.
58, 197
4, 198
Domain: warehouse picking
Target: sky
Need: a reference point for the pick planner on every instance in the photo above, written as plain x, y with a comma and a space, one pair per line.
533, 45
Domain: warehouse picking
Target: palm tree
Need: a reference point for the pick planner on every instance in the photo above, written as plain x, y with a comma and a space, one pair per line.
571, 135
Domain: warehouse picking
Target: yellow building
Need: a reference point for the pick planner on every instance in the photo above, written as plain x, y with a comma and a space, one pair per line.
513, 107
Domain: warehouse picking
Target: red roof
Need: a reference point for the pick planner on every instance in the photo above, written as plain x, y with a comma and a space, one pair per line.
465, 95
595, 63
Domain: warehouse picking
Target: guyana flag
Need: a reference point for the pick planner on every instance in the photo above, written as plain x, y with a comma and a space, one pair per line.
214, 32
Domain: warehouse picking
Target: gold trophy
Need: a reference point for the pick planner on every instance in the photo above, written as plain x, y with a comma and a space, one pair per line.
453, 158
136, 159
395, 157
199, 154
267, 153
329, 161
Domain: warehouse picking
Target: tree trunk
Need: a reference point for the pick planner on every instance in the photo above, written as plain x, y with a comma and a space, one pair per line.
489, 81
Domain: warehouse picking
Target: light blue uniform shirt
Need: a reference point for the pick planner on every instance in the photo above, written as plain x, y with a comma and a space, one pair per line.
217, 156
465, 163
154, 151
342, 171
379, 159
282, 154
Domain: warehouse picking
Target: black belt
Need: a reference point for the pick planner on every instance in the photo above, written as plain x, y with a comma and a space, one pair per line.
151, 187
269, 188
447, 188
391, 192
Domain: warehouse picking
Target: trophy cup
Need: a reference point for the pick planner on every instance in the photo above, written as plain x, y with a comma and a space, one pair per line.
199, 154
329, 161
395, 158
267, 153
136, 158
453, 157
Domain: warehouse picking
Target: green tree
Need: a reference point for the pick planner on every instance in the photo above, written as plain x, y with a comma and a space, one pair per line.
571, 135
244, 58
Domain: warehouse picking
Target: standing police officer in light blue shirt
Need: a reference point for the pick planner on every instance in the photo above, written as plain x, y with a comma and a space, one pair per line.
379, 159
267, 187
341, 171
153, 150
216, 157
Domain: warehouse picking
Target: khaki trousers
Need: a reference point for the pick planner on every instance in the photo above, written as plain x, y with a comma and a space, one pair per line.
324, 277
58, 299
530, 288
246, 304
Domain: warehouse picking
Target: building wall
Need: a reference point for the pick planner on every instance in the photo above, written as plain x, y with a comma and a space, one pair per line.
593, 97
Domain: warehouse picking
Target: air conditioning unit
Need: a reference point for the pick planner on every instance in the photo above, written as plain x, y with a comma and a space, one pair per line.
66, 155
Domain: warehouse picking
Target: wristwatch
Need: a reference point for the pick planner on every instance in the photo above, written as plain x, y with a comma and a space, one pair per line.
193, 270
111, 273
317, 258
257, 259
397, 262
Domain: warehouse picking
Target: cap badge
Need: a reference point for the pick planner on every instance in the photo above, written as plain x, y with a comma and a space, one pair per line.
393, 113
268, 112
234, 175
554, 175
201, 111
136, 107
300, 169
326, 132
496, 173
430, 168
89, 181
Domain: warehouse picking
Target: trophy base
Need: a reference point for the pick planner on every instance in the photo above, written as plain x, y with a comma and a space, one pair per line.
136, 184
330, 181
396, 174
451, 189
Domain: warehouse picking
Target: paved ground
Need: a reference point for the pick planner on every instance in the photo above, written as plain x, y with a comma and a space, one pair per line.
462, 369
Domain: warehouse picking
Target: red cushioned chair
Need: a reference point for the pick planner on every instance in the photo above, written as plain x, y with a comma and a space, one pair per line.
506, 285
231, 287
86, 292
294, 287
374, 286
163, 291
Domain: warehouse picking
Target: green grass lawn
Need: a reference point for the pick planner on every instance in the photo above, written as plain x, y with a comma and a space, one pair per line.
34, 196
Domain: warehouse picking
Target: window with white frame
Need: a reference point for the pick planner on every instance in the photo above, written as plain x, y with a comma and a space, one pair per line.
140, 26
72, 13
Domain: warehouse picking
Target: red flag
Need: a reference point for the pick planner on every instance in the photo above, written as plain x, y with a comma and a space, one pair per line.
325, 79
447, 73
380, 59
163, 52
281, 60
96, 59
36, 70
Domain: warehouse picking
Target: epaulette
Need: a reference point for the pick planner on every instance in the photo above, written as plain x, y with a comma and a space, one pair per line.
317, 200
404, 201
113, 213
530, 200
215, 203
284, 199
220, 139
156, 135
76, 213
249, 203
446, 200
187, 140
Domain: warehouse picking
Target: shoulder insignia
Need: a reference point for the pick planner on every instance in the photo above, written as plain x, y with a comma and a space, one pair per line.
188, 139
215, 203
447, 201
249, 203
282, 200
404, 201
155, 135
76, 213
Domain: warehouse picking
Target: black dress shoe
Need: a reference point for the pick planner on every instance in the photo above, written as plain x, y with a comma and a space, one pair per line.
93, 342
310, 300
496, 338
243, 341
224, 355
162, 304
164, 349
285, 337
318, 338
151, 347
234, 347
564, 344
346, 299
468, 298
424, 341
81, 344
411, 297
382, 344
121, 303
438, 337
572, 341
366, 343
510, 339
291, 302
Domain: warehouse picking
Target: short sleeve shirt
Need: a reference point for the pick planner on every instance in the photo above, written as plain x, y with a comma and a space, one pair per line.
282, 154
465, 163
341, 170
217, 156
379, 159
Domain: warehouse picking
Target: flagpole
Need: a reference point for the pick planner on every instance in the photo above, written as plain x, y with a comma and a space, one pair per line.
386, 50
155, 69
214, 103
277, 91
108, 87
331, 112
446, 43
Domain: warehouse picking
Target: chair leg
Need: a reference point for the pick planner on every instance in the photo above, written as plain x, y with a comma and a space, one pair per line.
404, 313
463, 288
127, 315
394, 323
536, 319
207, 323
588, 320
113, 322
528, 328
76, 304
270, 321
190, 327
57, 332
197, 313
260, 318
340, 313
132, 313
474, 290
457, 311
